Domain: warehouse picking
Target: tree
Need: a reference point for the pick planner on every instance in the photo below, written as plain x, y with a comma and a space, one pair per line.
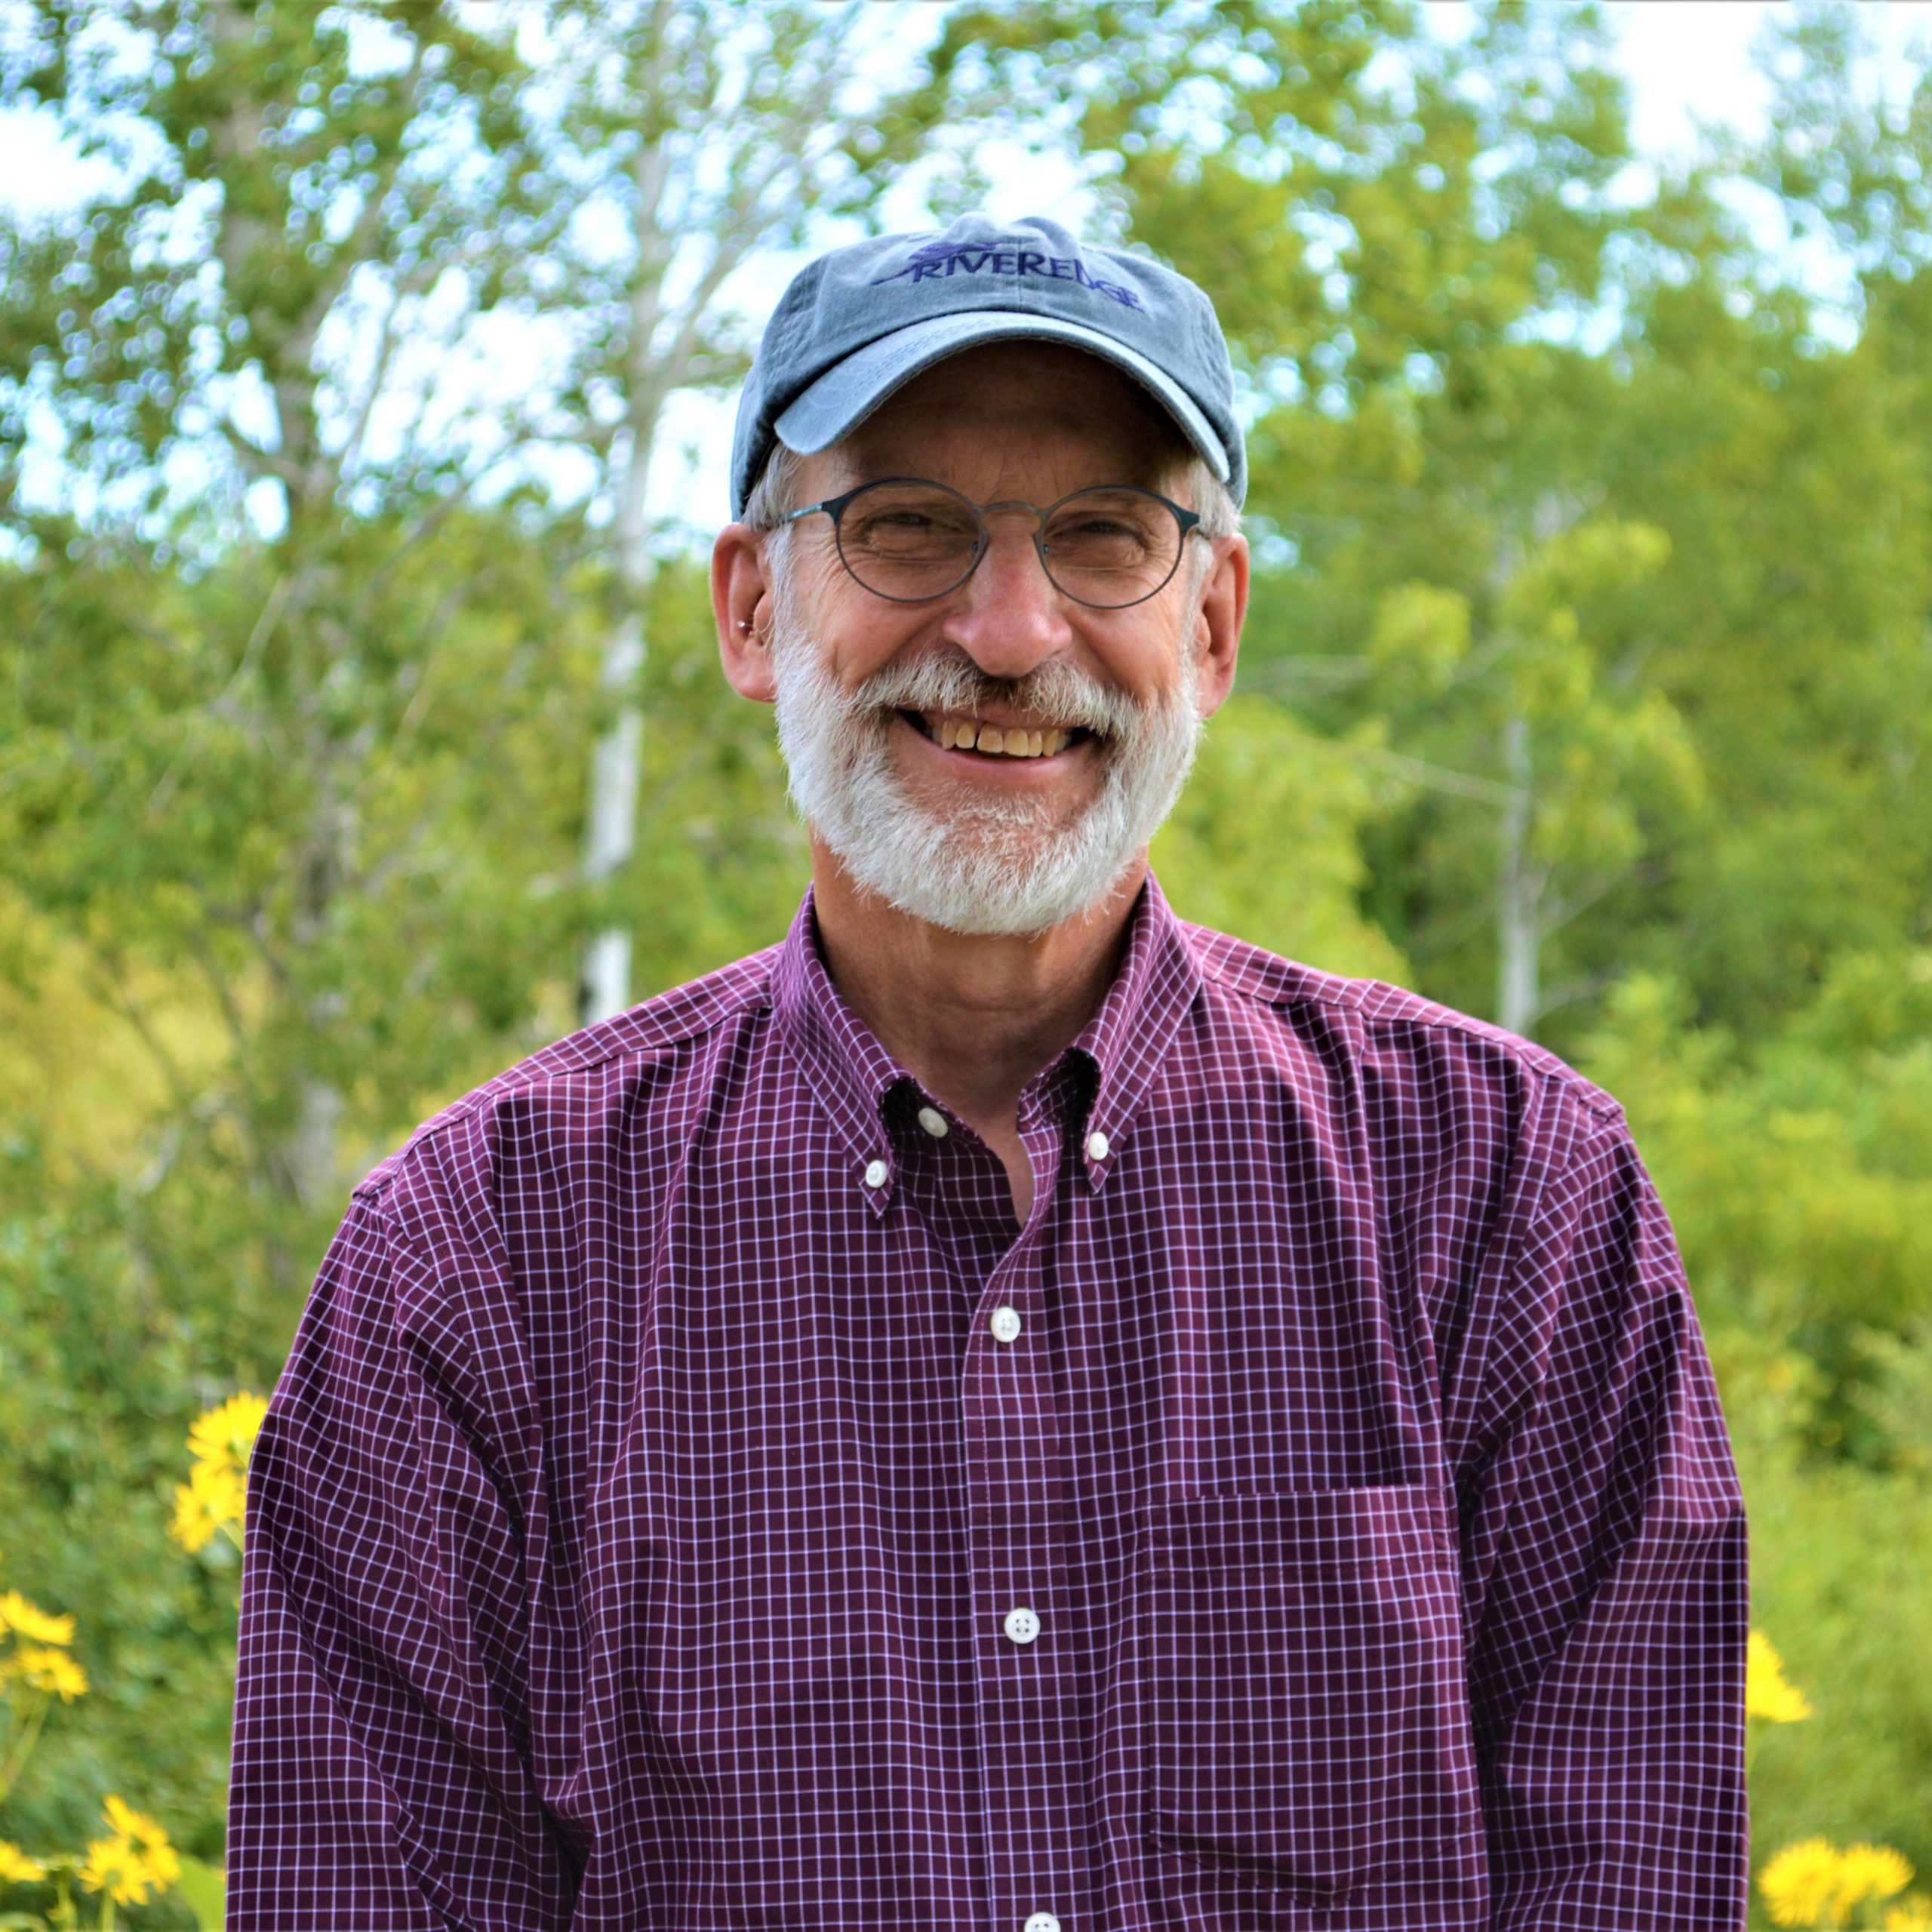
227, 760
704, 134
264, 350
1265, 842
1515, 713
1409, 239
1776, 428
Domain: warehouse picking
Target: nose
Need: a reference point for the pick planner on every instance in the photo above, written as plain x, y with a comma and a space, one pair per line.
1008, 616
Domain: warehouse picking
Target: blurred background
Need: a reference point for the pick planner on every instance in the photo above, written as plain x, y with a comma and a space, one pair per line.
365, 382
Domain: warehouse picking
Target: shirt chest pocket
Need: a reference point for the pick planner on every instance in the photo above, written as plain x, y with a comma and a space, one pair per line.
1306, 1719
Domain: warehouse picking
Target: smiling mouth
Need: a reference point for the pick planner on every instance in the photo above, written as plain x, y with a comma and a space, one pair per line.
952, 733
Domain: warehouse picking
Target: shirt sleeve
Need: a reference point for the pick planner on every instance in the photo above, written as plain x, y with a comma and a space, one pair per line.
380, 1779
1604, 1550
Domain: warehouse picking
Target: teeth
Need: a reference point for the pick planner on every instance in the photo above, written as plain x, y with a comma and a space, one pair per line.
966, 734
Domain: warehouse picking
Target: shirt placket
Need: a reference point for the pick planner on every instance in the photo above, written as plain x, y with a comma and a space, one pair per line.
1024, 1643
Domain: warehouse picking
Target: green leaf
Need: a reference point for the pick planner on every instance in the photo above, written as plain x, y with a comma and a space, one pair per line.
205, 1888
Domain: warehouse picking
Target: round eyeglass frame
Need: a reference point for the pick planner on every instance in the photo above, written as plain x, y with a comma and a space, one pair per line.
835, 507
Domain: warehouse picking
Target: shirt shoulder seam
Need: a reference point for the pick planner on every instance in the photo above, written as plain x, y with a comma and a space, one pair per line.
669, 1020
1295, 984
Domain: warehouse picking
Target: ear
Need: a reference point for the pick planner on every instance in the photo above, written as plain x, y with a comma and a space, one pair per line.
1217, 622
741, 602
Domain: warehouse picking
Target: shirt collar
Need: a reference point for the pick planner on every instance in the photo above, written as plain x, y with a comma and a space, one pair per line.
1128, 1038
1114, 1059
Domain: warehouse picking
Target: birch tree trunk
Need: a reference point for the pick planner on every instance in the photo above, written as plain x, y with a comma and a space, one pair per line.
738, 113
617, 764
1518, 932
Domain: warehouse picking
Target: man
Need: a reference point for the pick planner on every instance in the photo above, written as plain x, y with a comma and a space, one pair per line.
1006, 1410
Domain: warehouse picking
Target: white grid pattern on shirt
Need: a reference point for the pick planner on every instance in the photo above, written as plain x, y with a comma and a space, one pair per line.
631, 1536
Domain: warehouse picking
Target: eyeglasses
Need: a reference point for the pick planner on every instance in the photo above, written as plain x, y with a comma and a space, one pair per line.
911, 541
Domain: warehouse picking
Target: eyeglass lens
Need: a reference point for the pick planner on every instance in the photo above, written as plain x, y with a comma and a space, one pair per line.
914, 541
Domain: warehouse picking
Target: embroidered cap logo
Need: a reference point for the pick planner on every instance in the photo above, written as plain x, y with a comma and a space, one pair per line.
939, 260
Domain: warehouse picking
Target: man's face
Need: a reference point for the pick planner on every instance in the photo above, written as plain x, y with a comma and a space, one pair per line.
881, 705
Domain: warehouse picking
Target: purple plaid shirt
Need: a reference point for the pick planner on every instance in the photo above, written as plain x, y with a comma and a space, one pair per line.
689, 1503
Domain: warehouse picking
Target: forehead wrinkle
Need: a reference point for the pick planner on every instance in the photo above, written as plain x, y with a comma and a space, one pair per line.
1054, 419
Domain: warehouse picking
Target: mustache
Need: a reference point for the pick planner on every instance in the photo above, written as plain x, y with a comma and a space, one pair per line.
1056, 693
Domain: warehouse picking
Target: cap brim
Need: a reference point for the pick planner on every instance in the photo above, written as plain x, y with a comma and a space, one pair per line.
848, 393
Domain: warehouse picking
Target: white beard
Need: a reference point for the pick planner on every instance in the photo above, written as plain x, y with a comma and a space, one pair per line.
1016, 865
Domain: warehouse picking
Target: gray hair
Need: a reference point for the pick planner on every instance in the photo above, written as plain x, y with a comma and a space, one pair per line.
771, 498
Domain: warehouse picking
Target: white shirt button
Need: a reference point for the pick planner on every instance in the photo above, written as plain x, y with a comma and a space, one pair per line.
933, 1121
1004, 1323
876, 1173
1022, 1626
1097, 1144
1041, 1921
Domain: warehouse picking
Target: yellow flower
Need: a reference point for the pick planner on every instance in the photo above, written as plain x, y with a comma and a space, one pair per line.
1872, 1871
1800, 1885
1912, 1915
132, 1824
16, 1868
193, 1527
114, 1865
53, 1672
211, 1500
1814, 1883
1766, 1693
226, 1434
214, 1497
24, 1619
137, 1860
224, 1491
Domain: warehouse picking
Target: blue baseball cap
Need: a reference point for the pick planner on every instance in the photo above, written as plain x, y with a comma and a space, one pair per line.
857, 323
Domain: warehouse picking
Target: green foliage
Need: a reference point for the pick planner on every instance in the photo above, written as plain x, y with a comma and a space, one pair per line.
1839, 1556
255, 141
301, 786
1787, 625
1263, 842
103, 1364
722, 861
1799, 1176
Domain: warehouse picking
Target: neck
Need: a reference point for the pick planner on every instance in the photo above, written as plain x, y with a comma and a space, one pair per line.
973, 1017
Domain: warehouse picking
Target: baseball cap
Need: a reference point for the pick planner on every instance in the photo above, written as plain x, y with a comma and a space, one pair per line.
859, 321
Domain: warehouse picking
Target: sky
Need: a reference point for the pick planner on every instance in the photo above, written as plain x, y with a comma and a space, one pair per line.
1688, 63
